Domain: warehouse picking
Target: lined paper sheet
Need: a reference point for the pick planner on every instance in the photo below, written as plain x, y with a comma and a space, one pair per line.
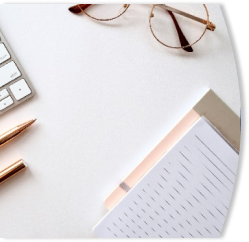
186, 194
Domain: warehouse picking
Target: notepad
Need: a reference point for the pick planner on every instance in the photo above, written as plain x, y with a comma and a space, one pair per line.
213, 108
185, 194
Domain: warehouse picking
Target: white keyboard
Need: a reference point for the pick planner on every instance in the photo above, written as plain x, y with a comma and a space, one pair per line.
15, 86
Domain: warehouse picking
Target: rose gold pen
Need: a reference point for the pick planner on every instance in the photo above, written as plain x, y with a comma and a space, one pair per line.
14, 132
12, 170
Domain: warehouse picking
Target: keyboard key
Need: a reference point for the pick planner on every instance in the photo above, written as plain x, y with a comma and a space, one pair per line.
4, 54
6, 103
20, 89
3, 94
8, 73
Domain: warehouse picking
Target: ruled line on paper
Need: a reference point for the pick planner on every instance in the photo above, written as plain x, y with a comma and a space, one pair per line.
215, 155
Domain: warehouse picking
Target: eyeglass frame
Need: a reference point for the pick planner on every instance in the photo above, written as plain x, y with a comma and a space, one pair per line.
208, 25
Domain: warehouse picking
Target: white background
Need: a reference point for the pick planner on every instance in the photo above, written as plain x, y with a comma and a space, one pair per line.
106, 94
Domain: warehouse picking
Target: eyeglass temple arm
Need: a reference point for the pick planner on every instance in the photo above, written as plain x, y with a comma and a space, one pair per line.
183, 41
78, 8
209, 24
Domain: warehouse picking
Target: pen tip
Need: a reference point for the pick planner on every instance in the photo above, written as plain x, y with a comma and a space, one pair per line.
32, 121
26, 124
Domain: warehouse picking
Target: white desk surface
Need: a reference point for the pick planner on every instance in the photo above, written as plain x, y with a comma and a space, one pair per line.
106, 94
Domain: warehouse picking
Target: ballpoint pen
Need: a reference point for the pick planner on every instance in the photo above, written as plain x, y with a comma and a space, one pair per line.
14, 132
12, 170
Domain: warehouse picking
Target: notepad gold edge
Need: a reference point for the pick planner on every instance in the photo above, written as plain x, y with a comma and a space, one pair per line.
221, 116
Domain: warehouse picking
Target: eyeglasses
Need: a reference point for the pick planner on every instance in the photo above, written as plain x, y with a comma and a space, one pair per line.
164, 25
